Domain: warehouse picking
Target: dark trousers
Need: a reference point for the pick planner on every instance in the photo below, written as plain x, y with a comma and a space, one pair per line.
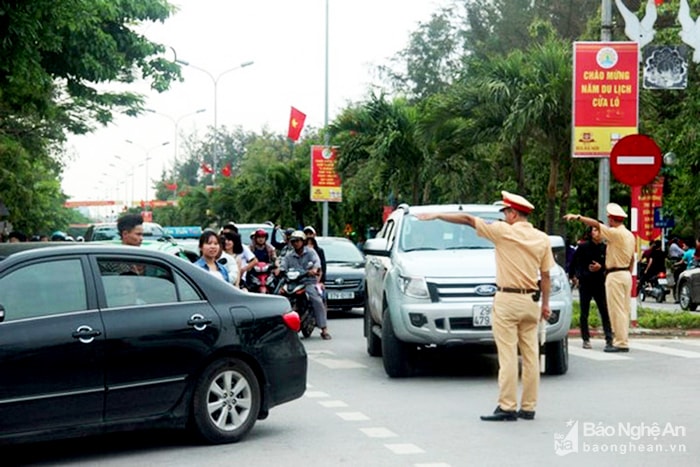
595, 291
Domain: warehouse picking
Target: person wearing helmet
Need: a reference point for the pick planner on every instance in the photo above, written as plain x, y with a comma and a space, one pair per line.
261, 248
285, 246
303, 258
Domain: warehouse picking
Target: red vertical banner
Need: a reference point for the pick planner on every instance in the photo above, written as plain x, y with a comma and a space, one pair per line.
645, 199
325, 181
605, 96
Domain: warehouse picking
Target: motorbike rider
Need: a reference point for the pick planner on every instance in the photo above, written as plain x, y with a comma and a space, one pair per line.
656, 263
261, 248
306, 259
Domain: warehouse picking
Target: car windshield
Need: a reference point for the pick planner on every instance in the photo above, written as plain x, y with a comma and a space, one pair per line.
341, 251
441, 235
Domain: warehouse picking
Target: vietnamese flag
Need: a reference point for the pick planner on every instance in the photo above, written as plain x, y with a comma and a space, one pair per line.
206, 168
226, 171
171, 186
296, 123
658, 2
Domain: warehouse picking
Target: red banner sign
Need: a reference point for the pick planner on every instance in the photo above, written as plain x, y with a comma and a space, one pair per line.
77, 204
645, 199
325, 182
605, 96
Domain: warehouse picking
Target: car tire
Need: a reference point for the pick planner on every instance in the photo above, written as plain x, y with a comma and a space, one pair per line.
396, 354
226, 402
685, 298
557, 357
374, 343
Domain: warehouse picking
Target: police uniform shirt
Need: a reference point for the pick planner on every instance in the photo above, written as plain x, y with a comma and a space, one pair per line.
521, 252
620, 249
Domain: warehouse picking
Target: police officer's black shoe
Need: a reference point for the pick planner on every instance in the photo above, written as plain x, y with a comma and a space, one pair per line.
526, 414
614, 349
500, 415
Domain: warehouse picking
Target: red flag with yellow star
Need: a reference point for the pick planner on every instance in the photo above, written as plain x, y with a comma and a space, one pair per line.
296, 123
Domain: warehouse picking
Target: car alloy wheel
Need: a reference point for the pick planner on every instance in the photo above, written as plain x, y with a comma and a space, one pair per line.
226, 402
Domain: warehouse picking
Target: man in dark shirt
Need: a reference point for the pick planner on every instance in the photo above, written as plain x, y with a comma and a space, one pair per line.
588, 267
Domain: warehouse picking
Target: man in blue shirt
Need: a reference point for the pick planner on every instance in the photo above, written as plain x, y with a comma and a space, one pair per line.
306, 259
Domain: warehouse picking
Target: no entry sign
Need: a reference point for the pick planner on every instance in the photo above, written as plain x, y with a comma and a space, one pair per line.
635, 160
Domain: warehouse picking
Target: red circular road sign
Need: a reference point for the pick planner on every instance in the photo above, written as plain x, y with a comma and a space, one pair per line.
635, 160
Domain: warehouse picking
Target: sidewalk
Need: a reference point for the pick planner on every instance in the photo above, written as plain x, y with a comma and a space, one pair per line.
636, 331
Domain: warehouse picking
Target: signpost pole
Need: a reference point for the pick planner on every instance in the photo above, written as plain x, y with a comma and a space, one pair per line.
604, 162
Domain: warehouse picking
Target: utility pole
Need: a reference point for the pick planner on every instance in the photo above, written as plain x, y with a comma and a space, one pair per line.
604, 162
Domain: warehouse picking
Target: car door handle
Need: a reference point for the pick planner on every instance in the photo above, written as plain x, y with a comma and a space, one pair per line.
85, 334
198, 322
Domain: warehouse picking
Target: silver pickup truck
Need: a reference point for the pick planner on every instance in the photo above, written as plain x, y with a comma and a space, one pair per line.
431, 284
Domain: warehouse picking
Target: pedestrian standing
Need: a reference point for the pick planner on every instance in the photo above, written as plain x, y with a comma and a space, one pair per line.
522, 253
588, 266
619, 260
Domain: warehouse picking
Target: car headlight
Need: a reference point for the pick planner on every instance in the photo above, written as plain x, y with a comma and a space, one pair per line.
557, 285
413, 287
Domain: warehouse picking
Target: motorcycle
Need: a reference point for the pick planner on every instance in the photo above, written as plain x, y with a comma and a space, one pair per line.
655, 287
260, 279
292, 287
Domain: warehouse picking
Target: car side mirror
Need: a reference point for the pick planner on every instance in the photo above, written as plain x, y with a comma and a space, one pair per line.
2, 313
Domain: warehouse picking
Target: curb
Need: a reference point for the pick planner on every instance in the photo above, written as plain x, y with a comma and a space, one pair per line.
643, 332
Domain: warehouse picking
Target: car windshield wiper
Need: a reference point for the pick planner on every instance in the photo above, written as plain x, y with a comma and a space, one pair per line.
420, 248
470, 247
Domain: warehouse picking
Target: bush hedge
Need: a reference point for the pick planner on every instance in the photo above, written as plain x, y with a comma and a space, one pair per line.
646, 318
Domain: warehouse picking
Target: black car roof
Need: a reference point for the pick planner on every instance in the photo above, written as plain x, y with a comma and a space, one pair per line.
30, 250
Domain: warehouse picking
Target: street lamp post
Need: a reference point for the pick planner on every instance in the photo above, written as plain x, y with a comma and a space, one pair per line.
145, 163
215, 81
176, 124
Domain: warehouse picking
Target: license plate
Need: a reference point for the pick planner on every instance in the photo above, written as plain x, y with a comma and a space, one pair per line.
340, 295
663, 281
481, 315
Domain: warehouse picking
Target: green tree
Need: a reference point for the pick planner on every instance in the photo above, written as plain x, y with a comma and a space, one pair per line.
54, 56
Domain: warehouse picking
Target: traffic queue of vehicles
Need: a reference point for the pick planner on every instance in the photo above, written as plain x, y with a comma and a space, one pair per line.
99, 337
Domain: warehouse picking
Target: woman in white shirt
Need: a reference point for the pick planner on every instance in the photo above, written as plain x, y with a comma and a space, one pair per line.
229, 260
246, 258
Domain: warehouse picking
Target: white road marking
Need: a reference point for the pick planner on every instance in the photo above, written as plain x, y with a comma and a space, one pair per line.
690, 341
379, 432
352, 416
664, 350
404, 448
338, 364
316, 394
596, 354
332, 404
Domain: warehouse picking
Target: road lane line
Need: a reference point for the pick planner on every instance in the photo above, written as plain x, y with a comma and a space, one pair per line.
352, 416
332, 404
316, 394
596, 354
379, 432
664, 350
338, 364
404, 448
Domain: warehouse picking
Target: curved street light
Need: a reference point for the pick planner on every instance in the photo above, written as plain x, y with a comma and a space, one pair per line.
215, 81
176, 123
145, 163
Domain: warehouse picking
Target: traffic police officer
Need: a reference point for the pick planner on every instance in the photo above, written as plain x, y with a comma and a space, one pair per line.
619, 261
521, 253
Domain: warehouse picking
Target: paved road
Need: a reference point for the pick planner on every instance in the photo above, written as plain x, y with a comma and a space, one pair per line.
604, 411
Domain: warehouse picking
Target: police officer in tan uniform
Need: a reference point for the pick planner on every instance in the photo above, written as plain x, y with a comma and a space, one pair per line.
522, 253
618, 265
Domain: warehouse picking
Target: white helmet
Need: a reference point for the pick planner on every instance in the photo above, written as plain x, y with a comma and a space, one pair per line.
297, 234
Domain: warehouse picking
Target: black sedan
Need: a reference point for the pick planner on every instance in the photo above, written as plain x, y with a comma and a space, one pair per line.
97, 338
345, 273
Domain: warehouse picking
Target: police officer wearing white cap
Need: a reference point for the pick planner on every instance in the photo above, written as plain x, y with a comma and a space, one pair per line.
619, 261
522, 253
